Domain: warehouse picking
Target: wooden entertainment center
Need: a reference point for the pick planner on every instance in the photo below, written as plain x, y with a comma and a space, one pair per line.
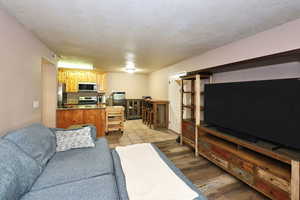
273, 171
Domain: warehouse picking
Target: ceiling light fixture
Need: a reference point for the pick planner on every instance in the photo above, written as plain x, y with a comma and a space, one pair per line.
71, 65
130, 70
130, 67
130, 63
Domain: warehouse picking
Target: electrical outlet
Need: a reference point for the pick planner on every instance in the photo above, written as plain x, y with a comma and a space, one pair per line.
36, 104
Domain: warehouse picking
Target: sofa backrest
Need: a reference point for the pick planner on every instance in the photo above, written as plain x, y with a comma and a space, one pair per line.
18, 171
36, 140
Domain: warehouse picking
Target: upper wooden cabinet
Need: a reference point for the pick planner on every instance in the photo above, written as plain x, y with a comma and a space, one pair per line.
101, 82
72, 77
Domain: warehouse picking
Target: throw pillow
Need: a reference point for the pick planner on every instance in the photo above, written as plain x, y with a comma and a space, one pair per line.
93, 130
72, 139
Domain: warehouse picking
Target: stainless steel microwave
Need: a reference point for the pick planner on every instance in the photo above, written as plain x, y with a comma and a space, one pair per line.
87, 87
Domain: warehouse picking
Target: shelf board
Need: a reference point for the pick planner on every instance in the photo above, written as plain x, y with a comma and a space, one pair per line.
277, 58
115, 126
193, 107
205, 76
114, 122
262, 147
192, 121
191, 77
189, 106
115, 115
189, 92
114, 129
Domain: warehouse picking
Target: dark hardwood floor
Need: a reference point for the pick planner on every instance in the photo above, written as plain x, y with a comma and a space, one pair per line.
215, 183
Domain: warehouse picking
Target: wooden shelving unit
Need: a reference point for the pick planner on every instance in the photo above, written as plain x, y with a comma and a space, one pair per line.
191, 108
114, 118
188, 111
275, 173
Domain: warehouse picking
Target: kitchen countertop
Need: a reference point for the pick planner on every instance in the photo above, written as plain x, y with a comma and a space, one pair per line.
81, 107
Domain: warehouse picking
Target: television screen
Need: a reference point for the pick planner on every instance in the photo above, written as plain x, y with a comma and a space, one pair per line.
268, 110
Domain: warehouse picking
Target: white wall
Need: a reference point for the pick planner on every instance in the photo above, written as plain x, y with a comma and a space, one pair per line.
135, 85
279, 39
20, 74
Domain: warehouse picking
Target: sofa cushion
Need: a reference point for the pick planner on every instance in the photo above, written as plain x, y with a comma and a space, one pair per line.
36, 140
18, 171
76, 164
101, 187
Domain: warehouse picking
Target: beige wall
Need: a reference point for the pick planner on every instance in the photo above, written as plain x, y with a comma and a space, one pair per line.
20, 74
281, 38
135, 85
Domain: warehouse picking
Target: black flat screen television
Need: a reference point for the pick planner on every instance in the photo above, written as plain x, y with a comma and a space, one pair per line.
267, 110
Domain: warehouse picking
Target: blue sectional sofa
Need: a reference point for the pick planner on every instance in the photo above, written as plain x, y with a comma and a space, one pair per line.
30, 169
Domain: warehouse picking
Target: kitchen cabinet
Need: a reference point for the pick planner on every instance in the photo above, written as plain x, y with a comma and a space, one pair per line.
69, 117
66, 118
101, 82
72, 77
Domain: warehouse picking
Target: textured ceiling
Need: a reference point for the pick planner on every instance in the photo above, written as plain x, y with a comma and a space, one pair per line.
153, 33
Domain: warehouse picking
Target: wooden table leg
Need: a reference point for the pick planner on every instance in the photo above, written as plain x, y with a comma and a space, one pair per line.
295, 183
167, 115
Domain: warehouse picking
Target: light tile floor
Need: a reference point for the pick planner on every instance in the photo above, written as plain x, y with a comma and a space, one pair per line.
136, 132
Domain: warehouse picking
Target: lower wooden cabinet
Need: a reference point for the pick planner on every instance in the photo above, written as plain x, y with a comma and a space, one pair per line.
96, 117
188, 132
264, 174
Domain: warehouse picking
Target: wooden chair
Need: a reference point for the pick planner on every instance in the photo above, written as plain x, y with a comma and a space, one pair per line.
144, 112
150, 115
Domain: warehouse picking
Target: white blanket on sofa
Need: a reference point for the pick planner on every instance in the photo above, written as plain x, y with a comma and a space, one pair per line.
148, 177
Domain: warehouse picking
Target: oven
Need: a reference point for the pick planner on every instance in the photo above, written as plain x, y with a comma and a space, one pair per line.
87, 100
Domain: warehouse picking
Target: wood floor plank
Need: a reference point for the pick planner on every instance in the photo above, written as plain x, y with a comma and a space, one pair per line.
214, 182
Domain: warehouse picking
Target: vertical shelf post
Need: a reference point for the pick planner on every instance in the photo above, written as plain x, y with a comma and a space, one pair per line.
181, 111
295, 182
198, 112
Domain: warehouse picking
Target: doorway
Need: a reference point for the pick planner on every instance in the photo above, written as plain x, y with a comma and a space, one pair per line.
174, 106
49, 96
